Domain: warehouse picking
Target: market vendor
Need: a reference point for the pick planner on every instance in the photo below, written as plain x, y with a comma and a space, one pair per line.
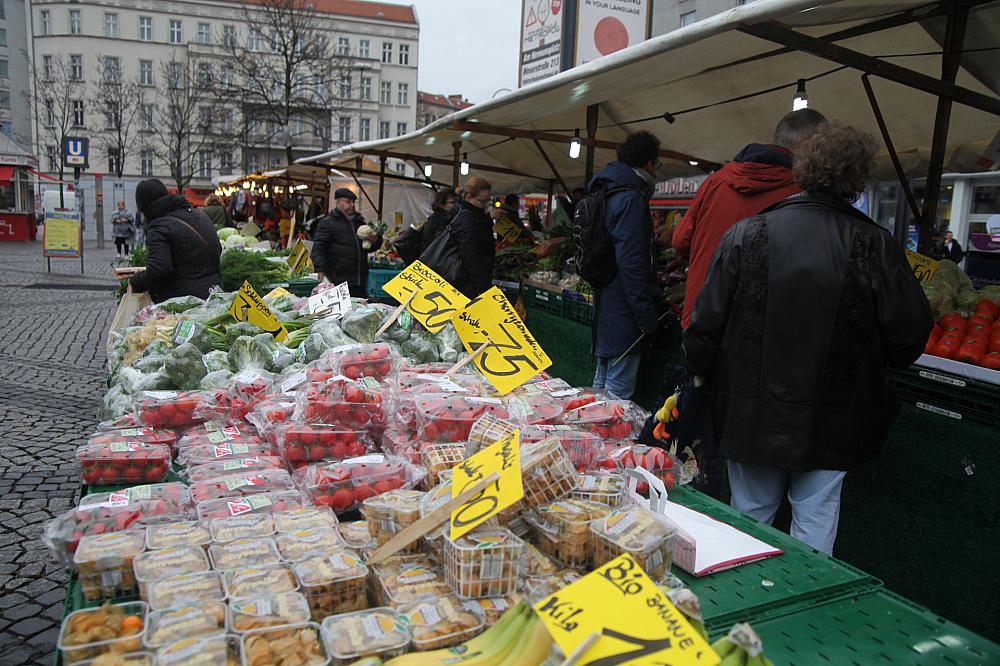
339, 253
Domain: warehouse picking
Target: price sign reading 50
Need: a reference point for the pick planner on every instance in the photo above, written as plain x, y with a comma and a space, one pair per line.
430, 299
503, 457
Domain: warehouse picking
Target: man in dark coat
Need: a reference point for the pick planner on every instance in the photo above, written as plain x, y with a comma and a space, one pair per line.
338, 253
952, 248
806, 308
626, 306
183, 247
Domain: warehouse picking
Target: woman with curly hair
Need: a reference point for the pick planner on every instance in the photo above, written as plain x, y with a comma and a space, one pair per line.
807, 307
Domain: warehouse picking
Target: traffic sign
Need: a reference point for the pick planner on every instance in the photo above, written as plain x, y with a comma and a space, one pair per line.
76, 152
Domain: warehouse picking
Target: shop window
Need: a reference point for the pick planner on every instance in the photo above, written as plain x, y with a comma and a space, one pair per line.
986, 200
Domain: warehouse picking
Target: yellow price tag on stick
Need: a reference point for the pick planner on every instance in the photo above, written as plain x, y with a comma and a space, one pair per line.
923, 266
503, 457
633, 618
298, 256
434, 302
249, 306
507, 229
514, 356
278, 292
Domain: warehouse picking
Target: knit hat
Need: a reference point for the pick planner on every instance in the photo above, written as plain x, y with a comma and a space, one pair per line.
149, 191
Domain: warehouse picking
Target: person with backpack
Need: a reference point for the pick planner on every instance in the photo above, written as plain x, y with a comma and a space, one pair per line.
616, 254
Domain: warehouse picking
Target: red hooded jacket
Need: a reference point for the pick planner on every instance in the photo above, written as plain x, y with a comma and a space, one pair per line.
760, 175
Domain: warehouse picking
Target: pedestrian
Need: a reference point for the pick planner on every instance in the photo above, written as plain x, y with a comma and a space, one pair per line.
759, 175
952, 248
443, 209
806, 308
217, 212
625, 308
122, 229
337, 252
937, 251
183, 248
140, 229
472, 233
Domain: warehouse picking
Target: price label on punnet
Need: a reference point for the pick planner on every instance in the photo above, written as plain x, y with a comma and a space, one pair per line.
504, 457
513, 355
249, 306
435, 302
633, 618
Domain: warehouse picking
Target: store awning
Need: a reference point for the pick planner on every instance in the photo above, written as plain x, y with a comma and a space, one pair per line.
6, 174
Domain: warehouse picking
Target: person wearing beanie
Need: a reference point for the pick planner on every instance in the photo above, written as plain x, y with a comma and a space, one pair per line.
338, 253
183, 248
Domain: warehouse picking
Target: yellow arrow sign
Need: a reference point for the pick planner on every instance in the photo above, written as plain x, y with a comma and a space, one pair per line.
249, 306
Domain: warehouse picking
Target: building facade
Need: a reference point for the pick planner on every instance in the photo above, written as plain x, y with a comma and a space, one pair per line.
431, 106
670, 15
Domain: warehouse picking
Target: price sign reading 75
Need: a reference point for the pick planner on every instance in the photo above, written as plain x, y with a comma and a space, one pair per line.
428, 296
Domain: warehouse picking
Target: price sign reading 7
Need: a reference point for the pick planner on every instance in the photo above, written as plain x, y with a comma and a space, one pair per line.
513, 356
432, 301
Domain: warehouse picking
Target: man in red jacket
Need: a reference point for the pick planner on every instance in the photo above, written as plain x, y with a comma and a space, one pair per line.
759, 176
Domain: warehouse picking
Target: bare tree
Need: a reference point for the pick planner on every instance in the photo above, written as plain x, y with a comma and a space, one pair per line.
286, 77
57, 97
184, 116
121, 102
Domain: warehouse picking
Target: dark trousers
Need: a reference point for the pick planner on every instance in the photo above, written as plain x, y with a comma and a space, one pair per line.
121, 244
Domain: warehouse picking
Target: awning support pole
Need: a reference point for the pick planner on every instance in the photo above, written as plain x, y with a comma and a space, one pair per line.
361, 187
900, 232
456, 149
381, 186
593, 112
548, 203
954, 38
552, 166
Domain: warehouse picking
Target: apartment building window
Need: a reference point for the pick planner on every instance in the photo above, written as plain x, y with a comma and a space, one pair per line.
400, 129
345, 129
345, 86
4, 99
204, 33
403, 94
76, 67
253, 40
365, 130
277, 41
385, 92
146, 118
175, 75
50, 113
343, 46
404, 54
229, 35
3, 68
114, 160
45, 18
204, 164
78, 114
383, 129
175, 31
226, 76
204, 74
364, 49
146, 28
366, 87
253, 162
227, 164
53, 154
145, 72
111, 25
112, 69
3, 36
225, 121
74, 22
113, 116
387, 52
146, 163
205, 118
687, 18
47, 67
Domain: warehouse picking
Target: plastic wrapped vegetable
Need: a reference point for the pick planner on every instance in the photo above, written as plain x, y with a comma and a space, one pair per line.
216, 360
184, 366
219, 379
362, 322
239, 329
311, 348
251, 352
180, 304
282, 357
151, 363
331, 332
115, 404
194, 332
449, 345
419, 350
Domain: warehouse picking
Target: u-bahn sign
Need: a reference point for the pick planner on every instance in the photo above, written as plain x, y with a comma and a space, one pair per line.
76, 152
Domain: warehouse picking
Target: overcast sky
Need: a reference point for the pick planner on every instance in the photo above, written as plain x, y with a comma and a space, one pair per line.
468, 46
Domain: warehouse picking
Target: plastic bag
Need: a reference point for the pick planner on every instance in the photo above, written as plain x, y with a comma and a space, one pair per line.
216, 360
419, 350
333, 335
311, 348
185, 367
376, 360
115, 404
180, 304
305, 443
449, 345
345, 485
251, 352
194, 332
362, 322
240, 329
282, 357
217, 379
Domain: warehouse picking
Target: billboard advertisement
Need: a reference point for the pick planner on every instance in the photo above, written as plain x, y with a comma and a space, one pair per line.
541, 40
606, 26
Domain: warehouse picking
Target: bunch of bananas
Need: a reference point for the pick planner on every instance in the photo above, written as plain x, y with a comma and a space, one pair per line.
741, 647
518, 638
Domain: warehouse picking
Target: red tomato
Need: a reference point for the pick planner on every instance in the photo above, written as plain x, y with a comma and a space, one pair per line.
342, 500
991, 360
363, 491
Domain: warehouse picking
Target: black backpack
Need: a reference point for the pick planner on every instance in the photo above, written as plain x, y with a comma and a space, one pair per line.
594, 249
408, 243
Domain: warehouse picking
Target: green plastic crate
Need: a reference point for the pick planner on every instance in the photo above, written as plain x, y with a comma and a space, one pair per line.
801, 574
302, 286
567, 343
512, 290
542, 299
953, 396
877, 627
577, 309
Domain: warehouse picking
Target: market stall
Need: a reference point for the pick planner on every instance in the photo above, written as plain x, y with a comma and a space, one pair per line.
17, 193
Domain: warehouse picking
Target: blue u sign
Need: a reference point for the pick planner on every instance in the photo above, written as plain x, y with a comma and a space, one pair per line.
76, 151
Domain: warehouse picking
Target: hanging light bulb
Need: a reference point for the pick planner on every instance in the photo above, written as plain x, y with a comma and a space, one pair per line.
463, 168
574, 145
801, 100
428, 170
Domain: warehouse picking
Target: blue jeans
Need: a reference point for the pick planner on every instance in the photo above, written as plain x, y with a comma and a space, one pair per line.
814, 496
618, 379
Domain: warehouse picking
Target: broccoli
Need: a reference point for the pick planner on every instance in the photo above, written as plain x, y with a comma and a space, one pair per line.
185, 367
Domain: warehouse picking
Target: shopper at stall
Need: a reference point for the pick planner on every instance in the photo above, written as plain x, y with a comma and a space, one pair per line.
122, 229
952, 248
217, 212
759, 175
182, 245
472, 234
338, 253
443, 210
625, 308
806, 307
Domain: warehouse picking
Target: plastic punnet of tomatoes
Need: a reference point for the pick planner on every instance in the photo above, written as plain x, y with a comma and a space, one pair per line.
215, 432
134, 434
450, 417
306, 443
123, 463
333, 583
247, 388
226, 467
534, 409
610, 419
413, 384
344, 485
242, 484
390, 512
269, 413
156, 499
203, 454
262, 503
177, 410
585, 449
103, 563
376, 360
353, 404
547, 472
403, 442
657, 461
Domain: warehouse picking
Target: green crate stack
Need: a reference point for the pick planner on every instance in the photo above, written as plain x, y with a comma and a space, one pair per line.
542, 299
566, 342
577, 309
302, 286
378, 278
968, 399
512, 290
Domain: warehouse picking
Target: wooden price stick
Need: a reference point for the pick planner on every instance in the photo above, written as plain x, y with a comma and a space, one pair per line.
433, 519
581, 649
468, 359
394, 316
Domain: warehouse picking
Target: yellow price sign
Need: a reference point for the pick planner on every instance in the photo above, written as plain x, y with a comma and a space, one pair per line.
298, 256
513, 355
507, 229
249, 306
434, 302
278, 292
503, 457
633, 618
923, 266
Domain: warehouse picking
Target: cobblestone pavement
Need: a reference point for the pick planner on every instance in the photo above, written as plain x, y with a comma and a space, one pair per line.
52, 378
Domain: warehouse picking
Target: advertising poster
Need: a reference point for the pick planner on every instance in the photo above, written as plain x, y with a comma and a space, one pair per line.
62, 234
541, 40
606, 26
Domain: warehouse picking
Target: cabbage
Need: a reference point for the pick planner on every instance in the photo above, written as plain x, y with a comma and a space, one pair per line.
225, 233
216, 360
185, 367
249, 241
234, 241
218, 379
257, 352
362, 322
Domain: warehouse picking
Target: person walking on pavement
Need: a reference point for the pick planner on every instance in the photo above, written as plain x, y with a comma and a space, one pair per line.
338, 253
122, 229
182, 245
759, 175
806, 307
952, 248
217, 213
625, 308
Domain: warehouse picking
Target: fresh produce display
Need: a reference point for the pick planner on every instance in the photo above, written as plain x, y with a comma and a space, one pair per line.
305, 443
390, 512
123, 462
313, 517
166, 562
377, 632
185, 621
244, 553
178, 535
251, 581
308, 542
296, 645
635, 531
343, 486
449, 418
333, 583
112, 629
202, 651
185, 588
486, 562
562, 530
242, 526
267, 610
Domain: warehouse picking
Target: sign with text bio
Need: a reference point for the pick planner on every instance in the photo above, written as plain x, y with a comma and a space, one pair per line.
504, 457
636, 622
436, 302
923, 266
514, 356
249, 306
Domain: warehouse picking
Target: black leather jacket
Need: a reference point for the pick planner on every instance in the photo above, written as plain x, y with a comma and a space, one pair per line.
337, 251
806, 308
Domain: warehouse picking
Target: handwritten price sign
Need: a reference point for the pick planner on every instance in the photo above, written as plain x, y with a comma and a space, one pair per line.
636, 622
923, 267
249, 306
513, 356
507, 230
503, 457
432, 301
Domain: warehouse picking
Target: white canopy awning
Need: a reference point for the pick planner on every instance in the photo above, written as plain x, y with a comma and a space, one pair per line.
695, 73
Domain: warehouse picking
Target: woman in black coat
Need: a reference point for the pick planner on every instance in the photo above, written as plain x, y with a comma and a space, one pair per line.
472, 233
443, 210
183, 247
